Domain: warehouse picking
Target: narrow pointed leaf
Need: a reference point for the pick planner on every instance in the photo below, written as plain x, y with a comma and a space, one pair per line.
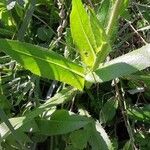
105, 10
44, 63
87, 33
121, 66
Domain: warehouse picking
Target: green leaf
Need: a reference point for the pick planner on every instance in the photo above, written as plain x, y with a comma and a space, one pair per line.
5, 16
140, 114
79, 139
127, 146
70, 147
6, 32
122, 66
17, 123
142, 76
16, 136
60, 98
103, 11
61, 122
44, 33
99, 138
123, 8
44, 63
24, 123
108, 110
87, 33
4, 103
26, 20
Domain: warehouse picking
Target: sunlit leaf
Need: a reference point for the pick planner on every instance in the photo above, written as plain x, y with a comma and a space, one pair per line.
87, 33
44, 63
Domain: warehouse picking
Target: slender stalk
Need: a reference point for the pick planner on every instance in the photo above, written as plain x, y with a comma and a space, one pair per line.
124, 114
113, 17
26, 20
137, 32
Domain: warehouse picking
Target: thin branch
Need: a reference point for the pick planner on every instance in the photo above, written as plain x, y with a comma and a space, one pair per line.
124, 114
137, 32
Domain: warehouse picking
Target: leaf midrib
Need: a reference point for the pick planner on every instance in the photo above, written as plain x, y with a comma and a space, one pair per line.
82, 27
54, 63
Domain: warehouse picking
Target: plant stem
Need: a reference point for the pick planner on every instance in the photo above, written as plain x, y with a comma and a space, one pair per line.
113, 17
26, 20
124, 114
90, 3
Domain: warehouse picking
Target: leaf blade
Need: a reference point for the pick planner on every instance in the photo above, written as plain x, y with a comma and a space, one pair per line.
98, 137
62, 122
86, 32
44, 63
121, 66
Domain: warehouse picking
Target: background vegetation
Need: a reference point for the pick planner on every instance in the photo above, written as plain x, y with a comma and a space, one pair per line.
39, 111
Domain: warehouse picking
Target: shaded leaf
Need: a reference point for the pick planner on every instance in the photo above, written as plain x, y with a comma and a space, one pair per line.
61, 122
24, 123
123, 8
103, 11
98, 137
127, 146
26, 20
17, 123
140, 114
116, 10
44, 33
79, 139
108, 111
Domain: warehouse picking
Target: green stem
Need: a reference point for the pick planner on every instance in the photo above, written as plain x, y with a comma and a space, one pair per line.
124, 114
26, 20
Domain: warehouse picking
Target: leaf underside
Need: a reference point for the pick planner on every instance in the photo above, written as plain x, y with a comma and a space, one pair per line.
122, 66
